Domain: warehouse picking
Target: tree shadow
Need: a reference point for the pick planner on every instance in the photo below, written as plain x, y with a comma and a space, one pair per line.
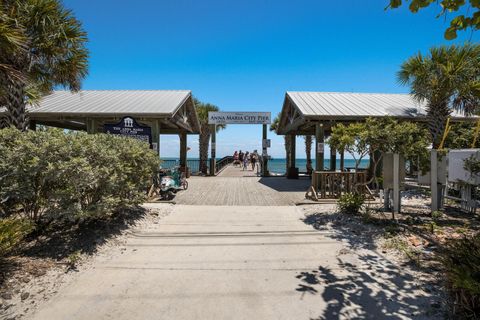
59, 241
373, 288
8, 266
282, 184
357, 234
364, 284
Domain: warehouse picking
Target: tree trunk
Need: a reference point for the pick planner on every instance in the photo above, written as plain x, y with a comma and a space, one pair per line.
437, 116
4, 123
15, 103
308, 149
204, 141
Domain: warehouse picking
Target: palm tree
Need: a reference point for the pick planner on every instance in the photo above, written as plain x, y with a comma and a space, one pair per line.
308, 148
448, 78
206, 131
42, 46
287, 140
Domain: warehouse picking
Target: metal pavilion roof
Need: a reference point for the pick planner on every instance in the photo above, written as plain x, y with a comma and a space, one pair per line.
71, 110
112, 102
300, 108
355, 104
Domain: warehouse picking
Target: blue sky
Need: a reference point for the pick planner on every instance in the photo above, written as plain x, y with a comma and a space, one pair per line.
244, 55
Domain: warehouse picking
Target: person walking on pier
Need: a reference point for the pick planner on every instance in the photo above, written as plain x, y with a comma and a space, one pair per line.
245, 161
235, 159
253, 159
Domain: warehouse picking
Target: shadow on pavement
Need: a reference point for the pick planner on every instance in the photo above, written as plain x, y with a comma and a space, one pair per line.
282, 184
364, 284
59, 241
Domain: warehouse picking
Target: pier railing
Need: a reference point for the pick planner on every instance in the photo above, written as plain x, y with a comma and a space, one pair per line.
332, 184
192, 164
222, 163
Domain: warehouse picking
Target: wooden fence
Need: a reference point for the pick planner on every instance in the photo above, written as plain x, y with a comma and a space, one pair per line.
331, 184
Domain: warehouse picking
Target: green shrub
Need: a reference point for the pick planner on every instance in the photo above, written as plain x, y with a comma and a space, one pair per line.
437, 215
351, 203
461, 260
51, 174
12, 231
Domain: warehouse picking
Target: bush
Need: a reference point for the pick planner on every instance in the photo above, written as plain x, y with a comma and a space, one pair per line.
351, 203
51, 174
12, 231
461, 260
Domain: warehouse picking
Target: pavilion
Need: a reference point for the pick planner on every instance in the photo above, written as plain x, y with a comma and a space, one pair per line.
315, 113
161, 111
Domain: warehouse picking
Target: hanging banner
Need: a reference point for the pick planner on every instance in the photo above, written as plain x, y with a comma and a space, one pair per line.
239, 117
130, 128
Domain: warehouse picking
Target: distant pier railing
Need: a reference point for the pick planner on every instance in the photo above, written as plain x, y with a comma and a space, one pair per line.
192, 164
222, 163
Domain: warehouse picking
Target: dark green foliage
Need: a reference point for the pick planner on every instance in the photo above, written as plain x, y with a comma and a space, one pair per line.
472, 165
55, 175
461, 260
445, 79
461, 136
12, 231
351, 203
204, 139
450, 8
42, 46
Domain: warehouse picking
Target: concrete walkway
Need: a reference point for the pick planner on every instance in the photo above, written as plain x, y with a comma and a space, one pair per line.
244, 262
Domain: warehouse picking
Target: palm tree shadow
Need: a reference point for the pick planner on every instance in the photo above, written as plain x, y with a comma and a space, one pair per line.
363, 284
381, 292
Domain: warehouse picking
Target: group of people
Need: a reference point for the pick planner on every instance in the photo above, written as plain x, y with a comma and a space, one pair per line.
243, 160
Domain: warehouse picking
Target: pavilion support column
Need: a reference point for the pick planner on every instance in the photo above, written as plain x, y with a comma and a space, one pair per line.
264, 152
32, 125
213, 160
183, 149
156, 136
333, 159
319, 147
342, 160
91, 126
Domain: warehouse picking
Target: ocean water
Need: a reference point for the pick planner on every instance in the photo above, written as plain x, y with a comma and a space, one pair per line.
279, 165
276, 165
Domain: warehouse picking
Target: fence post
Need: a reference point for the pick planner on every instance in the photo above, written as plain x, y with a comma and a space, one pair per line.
433, 179
396, 183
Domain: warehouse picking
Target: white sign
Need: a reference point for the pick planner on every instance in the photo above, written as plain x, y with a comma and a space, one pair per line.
239, 117
266, 143
320, 147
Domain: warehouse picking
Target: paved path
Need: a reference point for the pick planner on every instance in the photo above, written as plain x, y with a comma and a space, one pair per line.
235, 187
229, 262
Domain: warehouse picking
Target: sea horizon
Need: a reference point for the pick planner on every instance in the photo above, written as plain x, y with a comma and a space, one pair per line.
275, 165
